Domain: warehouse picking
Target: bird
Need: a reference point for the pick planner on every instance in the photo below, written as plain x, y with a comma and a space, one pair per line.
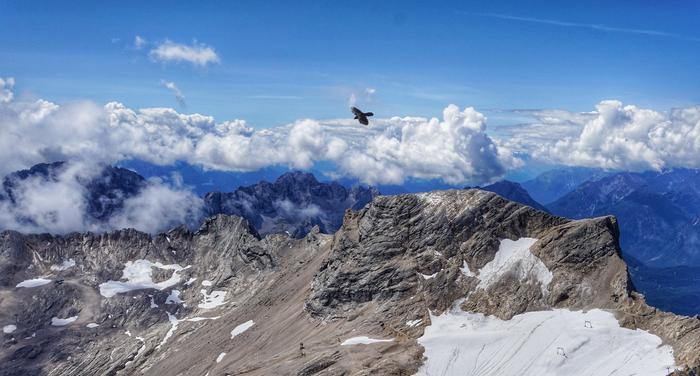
361, 116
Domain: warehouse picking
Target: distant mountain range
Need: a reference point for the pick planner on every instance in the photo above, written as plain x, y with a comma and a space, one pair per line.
514, 192
106, 189
659, 213
551, 185
294, 203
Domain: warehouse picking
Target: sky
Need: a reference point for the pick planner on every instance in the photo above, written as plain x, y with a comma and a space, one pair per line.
464, 94
276, 62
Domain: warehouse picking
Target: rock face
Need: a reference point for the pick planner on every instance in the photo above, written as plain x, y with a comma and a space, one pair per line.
294, 203
222, 300
514, 192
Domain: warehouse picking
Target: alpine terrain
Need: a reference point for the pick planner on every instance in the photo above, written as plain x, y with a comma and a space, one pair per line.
441, 283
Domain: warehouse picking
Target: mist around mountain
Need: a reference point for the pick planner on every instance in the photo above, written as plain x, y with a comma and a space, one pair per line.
65, 197
294, 203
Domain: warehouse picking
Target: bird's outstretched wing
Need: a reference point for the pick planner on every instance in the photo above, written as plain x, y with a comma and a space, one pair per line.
356, 111
369, 113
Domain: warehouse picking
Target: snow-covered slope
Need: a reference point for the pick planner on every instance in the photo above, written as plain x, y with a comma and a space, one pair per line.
556, 342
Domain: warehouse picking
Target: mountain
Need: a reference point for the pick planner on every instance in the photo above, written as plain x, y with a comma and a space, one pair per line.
514, 192
657, 211
553, 184
201, 181
294, 203
106, 187
675, 289
432, 283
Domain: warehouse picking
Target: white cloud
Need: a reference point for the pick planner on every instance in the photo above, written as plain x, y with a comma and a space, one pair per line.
60, 205
139, 42
176, 92
617, 136
455, 149
197, 54
6, 85
158, 207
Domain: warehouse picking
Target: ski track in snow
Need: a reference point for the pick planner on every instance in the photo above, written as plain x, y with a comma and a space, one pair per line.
554, 342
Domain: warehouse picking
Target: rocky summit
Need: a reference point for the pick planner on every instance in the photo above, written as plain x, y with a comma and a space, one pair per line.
294, 203
442, 283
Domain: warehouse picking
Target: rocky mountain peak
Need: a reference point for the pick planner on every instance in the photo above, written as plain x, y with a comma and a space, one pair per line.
397, 272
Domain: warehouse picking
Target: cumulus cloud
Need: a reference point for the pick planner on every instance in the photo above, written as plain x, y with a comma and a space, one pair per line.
139, 42
60, 203
158, 207
197, 54
6, 85
179, 97
455, 149
616, 136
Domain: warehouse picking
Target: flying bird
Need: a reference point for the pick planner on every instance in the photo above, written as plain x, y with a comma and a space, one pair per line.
361, 116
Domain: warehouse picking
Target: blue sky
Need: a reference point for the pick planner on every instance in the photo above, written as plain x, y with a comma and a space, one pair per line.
281, 61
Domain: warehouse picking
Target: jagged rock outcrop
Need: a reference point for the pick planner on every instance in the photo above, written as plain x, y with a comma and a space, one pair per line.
294, 203
223, 300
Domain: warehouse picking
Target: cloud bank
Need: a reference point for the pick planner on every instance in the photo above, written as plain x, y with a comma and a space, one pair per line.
615, 136
60, 203
455, 148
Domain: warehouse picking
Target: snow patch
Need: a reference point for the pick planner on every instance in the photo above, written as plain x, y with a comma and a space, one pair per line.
197, 319
515, 256
412, 323
7, 329
35, 282
65, 265
92, 325
465, 270
206, 283
212, 300
362, 340
190, 281
173, 298
426, 276
138, 275
55, 321
173, 326
220, 357
557, 342
242, 328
